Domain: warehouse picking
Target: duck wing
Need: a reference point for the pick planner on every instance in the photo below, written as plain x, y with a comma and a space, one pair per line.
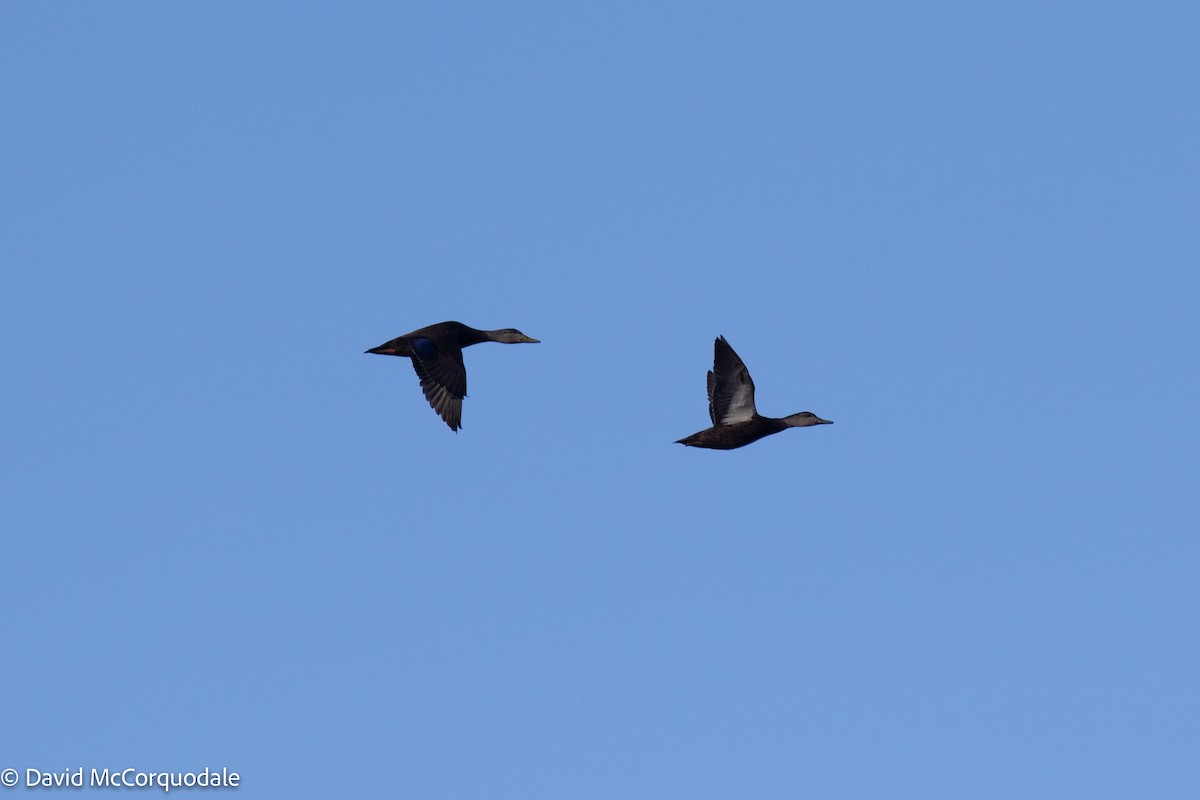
730, 390
443, 376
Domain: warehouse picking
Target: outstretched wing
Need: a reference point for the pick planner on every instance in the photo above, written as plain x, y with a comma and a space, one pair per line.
443, 378
730, 390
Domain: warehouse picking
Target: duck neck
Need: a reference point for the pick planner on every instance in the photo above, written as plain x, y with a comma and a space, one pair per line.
468, 336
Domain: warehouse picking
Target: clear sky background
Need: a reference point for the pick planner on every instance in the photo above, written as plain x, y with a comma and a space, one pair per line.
967, 233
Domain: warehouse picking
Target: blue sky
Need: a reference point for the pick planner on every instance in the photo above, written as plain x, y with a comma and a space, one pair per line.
966, 234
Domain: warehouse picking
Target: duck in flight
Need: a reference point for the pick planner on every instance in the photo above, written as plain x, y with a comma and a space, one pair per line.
436, 353
736, 422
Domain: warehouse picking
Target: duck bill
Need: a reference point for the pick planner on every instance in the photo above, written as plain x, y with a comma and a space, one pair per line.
528, 340
824, 421
382, 350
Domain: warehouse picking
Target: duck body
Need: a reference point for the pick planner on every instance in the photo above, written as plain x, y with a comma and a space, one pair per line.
436, 353
738, 434
736, 421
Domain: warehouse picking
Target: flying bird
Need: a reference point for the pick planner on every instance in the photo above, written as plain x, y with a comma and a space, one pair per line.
436, 353
736, 422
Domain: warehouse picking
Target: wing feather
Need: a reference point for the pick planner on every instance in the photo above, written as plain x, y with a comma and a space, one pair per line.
730, 389
444, 383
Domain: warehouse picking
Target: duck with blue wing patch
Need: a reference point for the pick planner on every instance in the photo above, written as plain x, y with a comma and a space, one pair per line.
436, 353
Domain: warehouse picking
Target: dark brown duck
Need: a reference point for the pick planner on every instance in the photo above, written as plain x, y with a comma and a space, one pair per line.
436, 353
736, 422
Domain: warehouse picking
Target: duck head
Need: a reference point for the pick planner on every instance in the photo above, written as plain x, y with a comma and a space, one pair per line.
804, 419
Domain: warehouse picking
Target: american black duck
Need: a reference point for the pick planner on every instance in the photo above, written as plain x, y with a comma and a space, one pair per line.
436, 353
736, 422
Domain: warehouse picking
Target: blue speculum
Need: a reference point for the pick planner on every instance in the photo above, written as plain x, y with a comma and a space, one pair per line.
424, 348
